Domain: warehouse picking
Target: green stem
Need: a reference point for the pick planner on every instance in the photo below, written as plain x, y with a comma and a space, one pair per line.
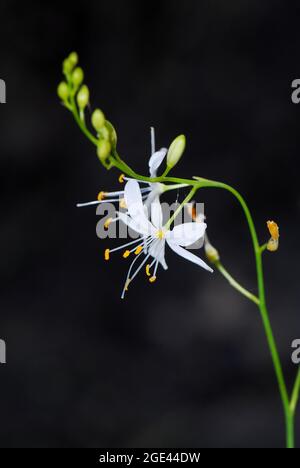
290, 431
178, 210
295, 394
81, 123
235, 284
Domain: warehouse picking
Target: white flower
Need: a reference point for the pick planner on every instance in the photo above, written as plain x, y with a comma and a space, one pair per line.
154, 236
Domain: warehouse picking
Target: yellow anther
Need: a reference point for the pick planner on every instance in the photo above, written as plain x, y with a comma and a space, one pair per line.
273, 230
127, 284
123, 204
101, 196
107, 223
192, 211
126, 254
122, 178
197, 217
138, 250
106, 254
152, 279
148, 270
160, 234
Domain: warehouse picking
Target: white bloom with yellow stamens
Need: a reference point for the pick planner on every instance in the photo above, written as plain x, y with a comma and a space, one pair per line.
154, 236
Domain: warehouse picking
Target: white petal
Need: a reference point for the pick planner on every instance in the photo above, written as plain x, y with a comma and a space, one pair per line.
156, 160
157, 251
187, 233
188, 255
135, 206
156, 213
134, 224
133, 198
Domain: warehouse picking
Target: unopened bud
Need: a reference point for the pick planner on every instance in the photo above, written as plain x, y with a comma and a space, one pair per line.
112, 134
73, 58
98, 120
272, 245
273, 229
67, 66
83, 97
104, 133
103, 150
176, 151
63, 91
211, 252
77, 77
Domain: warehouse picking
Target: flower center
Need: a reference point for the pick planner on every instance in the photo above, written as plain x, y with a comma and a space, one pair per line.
160, 234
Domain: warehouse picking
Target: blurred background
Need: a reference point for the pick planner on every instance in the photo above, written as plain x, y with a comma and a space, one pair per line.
184, 362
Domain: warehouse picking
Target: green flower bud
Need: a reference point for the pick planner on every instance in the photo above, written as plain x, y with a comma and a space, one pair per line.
83, 97
176, 151
63, 91
211, 253
77, 77
113, 134
103, 150
73, 58
98, 120
104, 133
67, 66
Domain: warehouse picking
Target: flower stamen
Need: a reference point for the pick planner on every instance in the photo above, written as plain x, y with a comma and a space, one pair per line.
126, 254
138, 250
108, 223
101, 196
123, 204
107, 254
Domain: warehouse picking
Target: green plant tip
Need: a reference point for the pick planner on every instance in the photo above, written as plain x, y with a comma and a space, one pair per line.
73, 58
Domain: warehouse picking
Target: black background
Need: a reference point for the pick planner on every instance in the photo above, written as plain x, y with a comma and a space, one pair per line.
183, 362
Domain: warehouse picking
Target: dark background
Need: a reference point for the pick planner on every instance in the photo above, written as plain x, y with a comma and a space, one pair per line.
182, 363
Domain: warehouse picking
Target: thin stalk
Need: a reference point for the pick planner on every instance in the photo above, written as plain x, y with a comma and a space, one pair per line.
295, 394
235, 284
181, 206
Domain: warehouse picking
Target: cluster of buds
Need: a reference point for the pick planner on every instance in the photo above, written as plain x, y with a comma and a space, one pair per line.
273, 243
75, 96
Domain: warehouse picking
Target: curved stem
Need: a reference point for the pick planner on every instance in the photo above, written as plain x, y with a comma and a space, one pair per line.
235, 284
